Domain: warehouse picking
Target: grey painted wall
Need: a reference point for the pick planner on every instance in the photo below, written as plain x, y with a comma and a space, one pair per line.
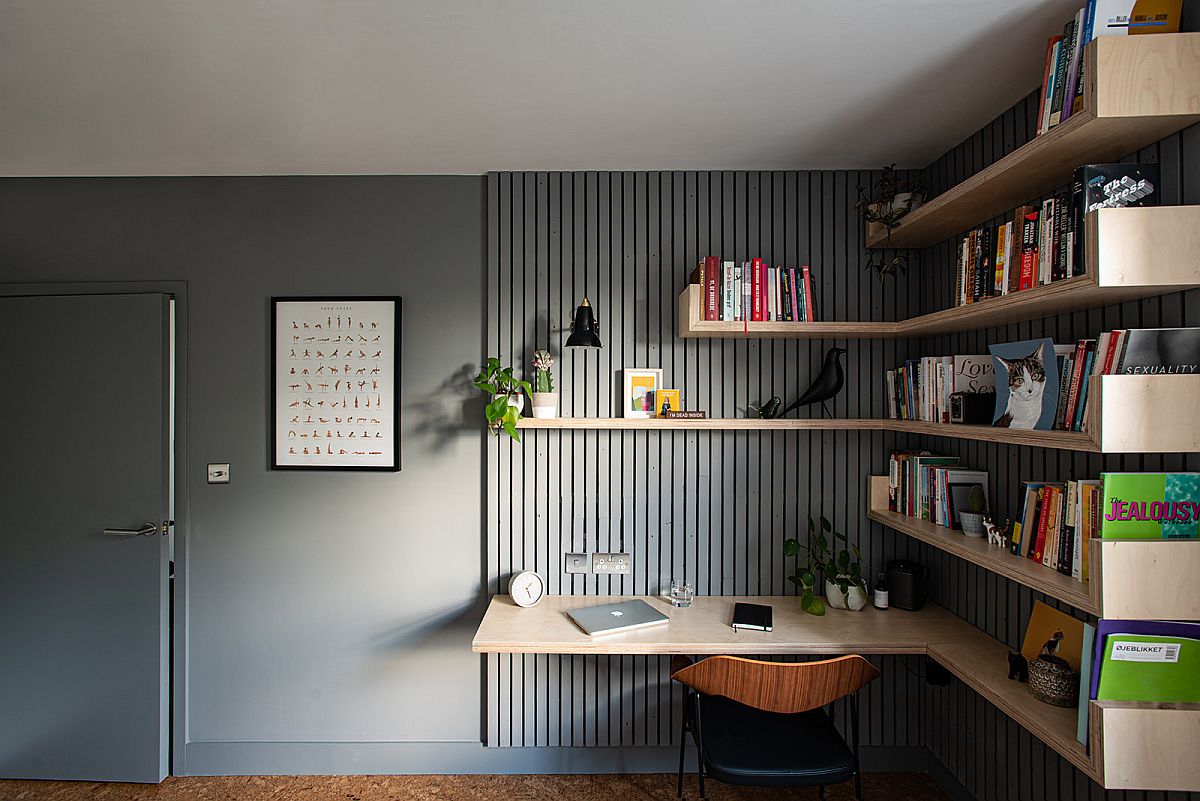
326, 608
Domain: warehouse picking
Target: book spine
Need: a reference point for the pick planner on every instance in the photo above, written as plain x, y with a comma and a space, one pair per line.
1084, 385
797, 314
765, 288
1068, 102
712, 271
809, 305
1045, 241
1060, 74
1064, 380
1046, 88
1111, 352
1050, 81
756, 290
1039, 543
1028, 250
727, 272
1076, 378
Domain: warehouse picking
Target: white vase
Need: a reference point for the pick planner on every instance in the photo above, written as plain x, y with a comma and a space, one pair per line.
545, 405
854, 600
972, 523
514, 400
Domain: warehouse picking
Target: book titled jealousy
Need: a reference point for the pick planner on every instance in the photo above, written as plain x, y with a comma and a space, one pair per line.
1151, 506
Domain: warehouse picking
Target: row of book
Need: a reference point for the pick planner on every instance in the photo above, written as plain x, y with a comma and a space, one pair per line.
929, 487
754, 291
1043, 243
1063, 79
1054, 522
921, 389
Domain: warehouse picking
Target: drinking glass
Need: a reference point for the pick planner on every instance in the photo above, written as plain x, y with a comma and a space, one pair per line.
682, 592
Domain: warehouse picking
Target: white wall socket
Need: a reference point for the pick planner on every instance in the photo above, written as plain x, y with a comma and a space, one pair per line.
610, 563
575, 563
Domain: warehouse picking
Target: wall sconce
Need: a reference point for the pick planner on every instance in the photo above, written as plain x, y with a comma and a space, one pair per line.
585, 328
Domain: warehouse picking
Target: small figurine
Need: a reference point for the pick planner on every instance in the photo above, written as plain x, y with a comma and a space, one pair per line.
996, 534
1018, 668
1050, 649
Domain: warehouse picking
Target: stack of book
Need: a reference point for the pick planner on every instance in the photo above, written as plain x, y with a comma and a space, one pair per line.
1043, 243
1055, 521
1063, 78
921, 389
930, 487
755, 292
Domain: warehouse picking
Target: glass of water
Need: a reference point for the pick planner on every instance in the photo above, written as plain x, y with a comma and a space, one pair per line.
682, 592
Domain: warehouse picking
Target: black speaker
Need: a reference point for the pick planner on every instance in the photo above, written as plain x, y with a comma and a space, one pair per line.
975, 408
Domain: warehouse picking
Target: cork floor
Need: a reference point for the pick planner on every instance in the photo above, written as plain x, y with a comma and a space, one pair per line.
627, 787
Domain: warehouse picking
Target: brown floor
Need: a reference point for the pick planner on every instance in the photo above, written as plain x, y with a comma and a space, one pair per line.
634, 787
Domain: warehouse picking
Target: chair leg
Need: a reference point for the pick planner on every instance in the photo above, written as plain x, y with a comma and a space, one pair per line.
821, 792
858, 785
682, 752
700, 775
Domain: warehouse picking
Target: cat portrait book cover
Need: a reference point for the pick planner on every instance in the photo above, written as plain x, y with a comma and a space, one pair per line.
1026, 384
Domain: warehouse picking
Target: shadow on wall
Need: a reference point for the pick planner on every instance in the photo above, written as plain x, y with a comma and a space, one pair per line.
449, 411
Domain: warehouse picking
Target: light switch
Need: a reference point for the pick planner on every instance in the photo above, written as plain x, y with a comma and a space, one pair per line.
218, 474
575, 563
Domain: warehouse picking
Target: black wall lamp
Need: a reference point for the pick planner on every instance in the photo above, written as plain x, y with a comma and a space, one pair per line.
585, 328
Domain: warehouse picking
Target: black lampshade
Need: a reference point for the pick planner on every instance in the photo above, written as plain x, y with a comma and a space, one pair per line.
585, 328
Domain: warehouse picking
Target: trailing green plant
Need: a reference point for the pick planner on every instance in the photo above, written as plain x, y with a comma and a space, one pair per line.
877, 206
499, 384
543, 362
885, 268
841, 567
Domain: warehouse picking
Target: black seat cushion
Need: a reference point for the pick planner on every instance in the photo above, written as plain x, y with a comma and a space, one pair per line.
746, 746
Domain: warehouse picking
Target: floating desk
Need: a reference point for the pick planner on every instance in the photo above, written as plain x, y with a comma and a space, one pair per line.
977, 659
703, 628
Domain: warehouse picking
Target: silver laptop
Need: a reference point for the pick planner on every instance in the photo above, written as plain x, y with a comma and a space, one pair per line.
618, 617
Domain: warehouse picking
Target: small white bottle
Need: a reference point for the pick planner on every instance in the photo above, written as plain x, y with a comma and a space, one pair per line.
881, 593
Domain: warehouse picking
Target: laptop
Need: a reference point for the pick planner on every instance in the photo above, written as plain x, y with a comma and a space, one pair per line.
618, 617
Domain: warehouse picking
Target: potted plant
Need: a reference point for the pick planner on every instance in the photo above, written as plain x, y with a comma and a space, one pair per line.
545, 399
972, 517
845, 587
892, 196
506, 401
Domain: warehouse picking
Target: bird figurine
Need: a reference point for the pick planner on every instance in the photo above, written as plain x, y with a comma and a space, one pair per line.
828, 383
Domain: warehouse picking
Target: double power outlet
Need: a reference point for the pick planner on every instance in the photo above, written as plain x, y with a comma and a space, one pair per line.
600, 563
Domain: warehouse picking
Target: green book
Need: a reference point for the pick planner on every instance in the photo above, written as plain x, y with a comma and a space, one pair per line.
1150, 506
1146, 667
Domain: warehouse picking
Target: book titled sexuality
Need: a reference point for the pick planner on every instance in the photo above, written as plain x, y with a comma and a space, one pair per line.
1150, 506
1160, 351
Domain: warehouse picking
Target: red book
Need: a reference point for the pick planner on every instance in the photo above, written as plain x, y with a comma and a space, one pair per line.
756, 290
1111, 354
791, 282
1029, 251
1081, 351
1039, 545
808, 296
712, 288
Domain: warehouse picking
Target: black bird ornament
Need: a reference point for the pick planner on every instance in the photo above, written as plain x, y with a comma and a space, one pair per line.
829, 382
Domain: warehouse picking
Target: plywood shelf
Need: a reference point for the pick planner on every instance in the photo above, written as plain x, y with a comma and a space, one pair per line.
1133, 253
1140, 89
977, 551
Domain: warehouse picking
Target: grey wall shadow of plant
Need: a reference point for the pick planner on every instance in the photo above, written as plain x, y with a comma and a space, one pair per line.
453, 409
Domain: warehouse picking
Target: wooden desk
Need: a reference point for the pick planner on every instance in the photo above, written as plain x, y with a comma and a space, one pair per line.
703, 628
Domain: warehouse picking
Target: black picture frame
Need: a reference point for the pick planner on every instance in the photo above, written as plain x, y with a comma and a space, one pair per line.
958, 500
397, 331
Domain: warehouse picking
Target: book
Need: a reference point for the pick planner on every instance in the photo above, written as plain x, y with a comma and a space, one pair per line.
1150, 506
1048, 625
666, 400
1160, 630
1160, 668
1085, 384
756, 290
1055, 45
1029, 249
727, 278
1060, 72
1111, 186
1087, 646
809, 300
711, 286
756, 617
1074, 56
1045, 242
796, 294
1124, 17
1160, 351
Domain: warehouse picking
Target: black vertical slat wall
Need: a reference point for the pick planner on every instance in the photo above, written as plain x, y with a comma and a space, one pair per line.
712, 506
998, 759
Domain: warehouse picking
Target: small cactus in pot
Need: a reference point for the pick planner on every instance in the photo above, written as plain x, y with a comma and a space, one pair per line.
972, 517
545, 399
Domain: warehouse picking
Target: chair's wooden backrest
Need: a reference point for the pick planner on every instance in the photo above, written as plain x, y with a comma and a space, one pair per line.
778, 686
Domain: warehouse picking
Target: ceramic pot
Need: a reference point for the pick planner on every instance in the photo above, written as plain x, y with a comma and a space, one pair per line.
545, 405
906, 202
853, 600
972, 523
514, 400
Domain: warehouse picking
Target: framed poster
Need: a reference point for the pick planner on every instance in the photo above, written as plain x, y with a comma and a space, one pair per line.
640, 386
335, 368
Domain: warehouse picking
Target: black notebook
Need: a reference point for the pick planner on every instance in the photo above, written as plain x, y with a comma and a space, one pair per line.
752, 616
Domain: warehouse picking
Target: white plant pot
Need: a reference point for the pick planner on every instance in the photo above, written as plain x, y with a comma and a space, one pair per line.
972, 524
514, 400
545, 405
901, 202
854, 600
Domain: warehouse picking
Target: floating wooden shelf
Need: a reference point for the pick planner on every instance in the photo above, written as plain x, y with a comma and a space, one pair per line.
1133, 253
1137, 745
1139, 90
977, 551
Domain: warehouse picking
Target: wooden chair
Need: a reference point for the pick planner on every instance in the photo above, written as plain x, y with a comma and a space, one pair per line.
763, 724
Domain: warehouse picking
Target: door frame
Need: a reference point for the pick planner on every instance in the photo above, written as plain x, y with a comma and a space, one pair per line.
178, 290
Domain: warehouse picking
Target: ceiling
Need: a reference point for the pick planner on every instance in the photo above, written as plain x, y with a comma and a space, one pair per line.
237, 87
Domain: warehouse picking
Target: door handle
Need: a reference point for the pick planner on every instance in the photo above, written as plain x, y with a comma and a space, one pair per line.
146, 530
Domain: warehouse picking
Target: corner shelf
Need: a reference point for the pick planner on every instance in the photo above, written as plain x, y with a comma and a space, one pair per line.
1139, 90
977, 551
1133, 253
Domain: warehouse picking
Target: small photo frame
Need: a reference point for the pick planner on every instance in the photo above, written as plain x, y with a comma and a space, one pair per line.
640, 386
958, 500
667, 400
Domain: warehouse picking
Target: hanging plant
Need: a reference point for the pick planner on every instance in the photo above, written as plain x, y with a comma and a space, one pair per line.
891, 197
887, 268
